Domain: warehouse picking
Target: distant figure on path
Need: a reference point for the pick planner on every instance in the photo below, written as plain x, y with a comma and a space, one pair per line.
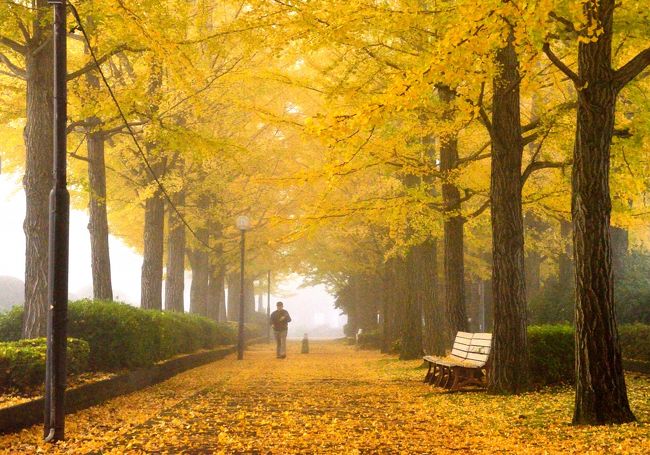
280, 321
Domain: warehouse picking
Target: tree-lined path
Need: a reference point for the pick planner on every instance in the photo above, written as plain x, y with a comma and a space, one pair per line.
334, 400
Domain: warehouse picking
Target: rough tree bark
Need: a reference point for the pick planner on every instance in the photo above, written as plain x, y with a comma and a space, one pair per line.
433, 333
393, 283
454, 265
98, 218
175, 281
533, 260
601, 394
152, 261
37, 181
565, 262
216, 290
233, 296
509, 367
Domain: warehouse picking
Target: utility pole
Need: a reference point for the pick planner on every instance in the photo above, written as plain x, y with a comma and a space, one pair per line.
268, 307
243, 224
55, 376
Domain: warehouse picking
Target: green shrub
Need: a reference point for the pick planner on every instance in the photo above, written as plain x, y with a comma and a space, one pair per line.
635, 341
551, 354
120, 335
371, 339
22, 363
11, 324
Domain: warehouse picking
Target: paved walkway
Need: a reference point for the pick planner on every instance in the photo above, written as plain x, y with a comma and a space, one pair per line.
334, 400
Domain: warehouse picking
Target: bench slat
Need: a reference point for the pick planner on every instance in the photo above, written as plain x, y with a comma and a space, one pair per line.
478, 357
486, 343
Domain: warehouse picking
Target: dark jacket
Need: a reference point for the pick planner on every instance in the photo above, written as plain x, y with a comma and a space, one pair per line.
280, 320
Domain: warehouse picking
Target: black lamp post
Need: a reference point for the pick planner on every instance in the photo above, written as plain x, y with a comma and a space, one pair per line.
268, 307
243, 224
55, 374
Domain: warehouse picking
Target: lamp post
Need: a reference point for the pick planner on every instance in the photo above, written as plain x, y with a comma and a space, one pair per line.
55, 372
268, 307
243, 224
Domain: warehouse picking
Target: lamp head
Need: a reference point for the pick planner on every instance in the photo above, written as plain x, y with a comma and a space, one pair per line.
243, 223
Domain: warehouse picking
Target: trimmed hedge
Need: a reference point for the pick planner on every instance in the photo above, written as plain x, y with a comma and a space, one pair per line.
11, 324
635, 341
122, 336
551, 354
22, 363
372, 339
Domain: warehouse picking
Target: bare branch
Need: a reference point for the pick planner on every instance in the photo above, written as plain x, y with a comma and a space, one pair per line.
16, 70
568, 25
92, 65
560, 64
538, 165
632, 69
13, 45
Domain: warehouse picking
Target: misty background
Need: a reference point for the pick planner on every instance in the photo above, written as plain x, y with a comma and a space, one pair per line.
311, 307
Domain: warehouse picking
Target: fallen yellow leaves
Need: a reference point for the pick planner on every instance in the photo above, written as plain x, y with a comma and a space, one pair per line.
334, 400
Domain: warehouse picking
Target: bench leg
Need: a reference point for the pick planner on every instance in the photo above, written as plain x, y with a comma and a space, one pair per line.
427, 377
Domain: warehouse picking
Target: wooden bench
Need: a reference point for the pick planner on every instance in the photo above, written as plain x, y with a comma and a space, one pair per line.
466, 364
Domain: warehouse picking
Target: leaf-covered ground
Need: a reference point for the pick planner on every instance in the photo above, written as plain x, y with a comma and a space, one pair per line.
333, 400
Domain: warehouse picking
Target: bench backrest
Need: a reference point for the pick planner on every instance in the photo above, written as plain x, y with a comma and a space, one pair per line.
472, 346
461, 345
479, 349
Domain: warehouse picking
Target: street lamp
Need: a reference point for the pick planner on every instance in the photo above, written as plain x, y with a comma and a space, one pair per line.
55, 370
268, 307
243, 223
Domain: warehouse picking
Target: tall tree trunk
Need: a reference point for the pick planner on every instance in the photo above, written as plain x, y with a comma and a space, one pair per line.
601, 394
454, 264
433, 314
533, 274
175, 282
566, 274
509, 367
98, 218
37, 181
533, 261
152, 263
233, 296
366, 300
620, 245
392, 300
249, 298
215, 290
411, 308
199, 287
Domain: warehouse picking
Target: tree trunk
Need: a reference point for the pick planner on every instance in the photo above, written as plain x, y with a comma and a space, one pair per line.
37, 181
566, 272
175, 282
433, 333
249, 299
454, 265
233, 296
98, 218
199, 286
152, 263
392, 300
533, 261
216, 290
509, 367
601, 394
620, 245
411, 308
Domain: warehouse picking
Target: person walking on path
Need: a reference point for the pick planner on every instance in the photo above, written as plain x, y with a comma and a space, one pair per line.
280, 321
